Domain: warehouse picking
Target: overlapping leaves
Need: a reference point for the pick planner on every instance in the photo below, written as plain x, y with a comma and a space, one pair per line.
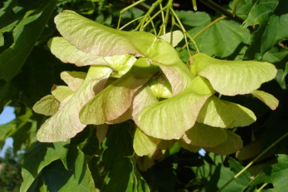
88, 100
167, 104
271, 16
109, 104
120, 42
65, 123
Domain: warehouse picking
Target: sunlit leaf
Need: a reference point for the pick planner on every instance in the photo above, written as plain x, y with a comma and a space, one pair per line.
231, 145
109, 104
233, 77
144, 144
173, 38
62, 92
124, 117
99, 40
67, 53
266, 98
171, 118
178, 76
48, 105
224, 114
160, 87
121, 64
74, 79
65, 123
202, 135
143, 98
87, 36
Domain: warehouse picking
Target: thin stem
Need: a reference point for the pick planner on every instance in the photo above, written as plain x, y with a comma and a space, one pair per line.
235, 7
130, 22
154, 5
127, 8
194, 5
262, 187
154, 29
164, 24
182, 28
253, 161
162, 14
209, 25
185, 32
205, 28
163, 18
171, 30
155, 15
221, 10
193, 41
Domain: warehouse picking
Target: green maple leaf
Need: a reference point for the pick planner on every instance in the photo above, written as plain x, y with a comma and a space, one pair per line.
276, 174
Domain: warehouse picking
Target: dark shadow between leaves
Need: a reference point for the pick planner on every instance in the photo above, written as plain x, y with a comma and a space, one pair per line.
118, 147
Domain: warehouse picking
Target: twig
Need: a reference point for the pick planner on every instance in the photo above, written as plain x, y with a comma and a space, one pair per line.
131, 22
209, 25
182, 28
127, 8
166, 19
155, 15
205, 28
252, 162
262, 187
223, 11
154, 5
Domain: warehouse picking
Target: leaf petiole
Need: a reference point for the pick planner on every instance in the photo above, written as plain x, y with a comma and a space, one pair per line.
127, 8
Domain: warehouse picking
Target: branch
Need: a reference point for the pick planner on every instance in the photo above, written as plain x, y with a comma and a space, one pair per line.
221, 10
